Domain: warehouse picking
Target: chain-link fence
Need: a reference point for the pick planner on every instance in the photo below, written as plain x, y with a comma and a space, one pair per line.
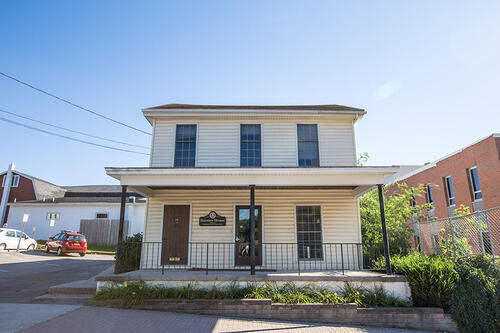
476, 233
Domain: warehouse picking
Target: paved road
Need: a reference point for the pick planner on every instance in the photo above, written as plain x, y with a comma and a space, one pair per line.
89, 319
26, 275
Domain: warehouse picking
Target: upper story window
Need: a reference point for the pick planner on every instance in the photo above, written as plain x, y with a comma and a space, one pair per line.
15, 181
430, 198
475, 186
185, 146
53, 216
449, 191
250, 145
307, 139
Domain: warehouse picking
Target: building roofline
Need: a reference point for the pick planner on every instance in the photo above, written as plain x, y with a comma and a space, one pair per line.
434, 163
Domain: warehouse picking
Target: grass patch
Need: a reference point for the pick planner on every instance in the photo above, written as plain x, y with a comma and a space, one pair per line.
135, 293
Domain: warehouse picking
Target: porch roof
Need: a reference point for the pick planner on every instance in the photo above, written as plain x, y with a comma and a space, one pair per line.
359, 179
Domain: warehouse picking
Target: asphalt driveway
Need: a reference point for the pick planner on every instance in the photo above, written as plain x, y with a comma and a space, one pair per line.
29, 274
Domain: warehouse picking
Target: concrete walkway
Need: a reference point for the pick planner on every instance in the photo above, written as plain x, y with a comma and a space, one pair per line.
14, 317
90, 319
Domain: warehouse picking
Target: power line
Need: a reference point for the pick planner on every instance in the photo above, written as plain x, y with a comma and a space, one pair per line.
73, 131
70, 138
73, 104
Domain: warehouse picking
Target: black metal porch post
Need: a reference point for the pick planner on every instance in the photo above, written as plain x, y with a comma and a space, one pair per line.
252, 230
384, 229
120, 228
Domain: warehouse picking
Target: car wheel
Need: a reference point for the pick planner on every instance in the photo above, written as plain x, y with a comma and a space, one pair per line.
31, 247
59, 251
3, 247
82, 254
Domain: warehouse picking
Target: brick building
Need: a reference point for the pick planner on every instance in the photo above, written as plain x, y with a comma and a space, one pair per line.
469, 177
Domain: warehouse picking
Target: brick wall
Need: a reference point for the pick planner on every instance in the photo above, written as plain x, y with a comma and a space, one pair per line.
485, 155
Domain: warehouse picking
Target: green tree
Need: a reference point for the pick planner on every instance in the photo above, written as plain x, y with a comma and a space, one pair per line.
400, 206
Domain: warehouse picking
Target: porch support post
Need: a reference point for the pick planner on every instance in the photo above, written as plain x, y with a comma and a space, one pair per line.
120, 228
252, 230
384, 229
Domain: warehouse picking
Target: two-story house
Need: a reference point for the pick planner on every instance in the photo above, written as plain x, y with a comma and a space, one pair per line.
212, 166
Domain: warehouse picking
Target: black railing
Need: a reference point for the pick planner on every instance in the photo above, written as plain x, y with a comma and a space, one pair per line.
230, 256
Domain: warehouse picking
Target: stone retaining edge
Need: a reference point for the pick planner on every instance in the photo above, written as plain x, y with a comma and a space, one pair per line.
411, 318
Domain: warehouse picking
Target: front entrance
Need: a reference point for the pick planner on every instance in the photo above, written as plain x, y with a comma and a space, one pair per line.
242, 236
175, 235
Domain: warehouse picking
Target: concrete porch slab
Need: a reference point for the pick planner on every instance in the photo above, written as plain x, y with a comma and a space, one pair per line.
333, 280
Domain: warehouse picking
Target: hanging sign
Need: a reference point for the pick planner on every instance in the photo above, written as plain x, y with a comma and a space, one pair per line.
212, 219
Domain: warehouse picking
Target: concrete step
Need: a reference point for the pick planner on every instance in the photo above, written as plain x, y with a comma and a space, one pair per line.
69, 299
86, 287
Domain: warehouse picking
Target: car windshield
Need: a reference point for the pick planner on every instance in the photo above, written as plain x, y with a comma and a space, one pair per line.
76, 238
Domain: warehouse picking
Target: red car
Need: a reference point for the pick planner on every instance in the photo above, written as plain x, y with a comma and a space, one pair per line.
67, 242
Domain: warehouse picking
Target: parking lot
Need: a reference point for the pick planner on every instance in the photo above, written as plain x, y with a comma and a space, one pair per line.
29, 274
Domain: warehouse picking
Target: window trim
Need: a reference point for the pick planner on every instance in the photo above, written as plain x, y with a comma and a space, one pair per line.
55, 218
261, 145
429, 194
102, 218
472, 183
15, 180
448, 198
321, 228
4, 180
195, 148
297, 144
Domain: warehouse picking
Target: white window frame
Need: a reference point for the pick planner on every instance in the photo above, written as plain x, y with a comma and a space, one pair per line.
15, 180
323, 254
195, 148
448, 198
4, 180
473, 190
56, 217
297, 143
102, 218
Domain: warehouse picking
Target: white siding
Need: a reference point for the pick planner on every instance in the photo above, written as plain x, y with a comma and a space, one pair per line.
340, 218
163, 144
218, 144
70, 216
279, 144
337, 146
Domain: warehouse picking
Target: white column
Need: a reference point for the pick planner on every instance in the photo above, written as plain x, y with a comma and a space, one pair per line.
6, 192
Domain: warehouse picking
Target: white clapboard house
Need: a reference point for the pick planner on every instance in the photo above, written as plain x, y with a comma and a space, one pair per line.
294, 165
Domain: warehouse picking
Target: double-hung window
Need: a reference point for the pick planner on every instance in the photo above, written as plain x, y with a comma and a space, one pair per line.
15, 181
250, 145
449, 191
185, 146
309, 238
307, 142
475, 186
430, 198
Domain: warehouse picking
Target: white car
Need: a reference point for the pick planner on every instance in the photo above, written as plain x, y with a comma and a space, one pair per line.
9, 239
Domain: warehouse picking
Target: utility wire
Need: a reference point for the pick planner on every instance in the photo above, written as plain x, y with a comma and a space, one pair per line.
73, 104
73, 131
70, 138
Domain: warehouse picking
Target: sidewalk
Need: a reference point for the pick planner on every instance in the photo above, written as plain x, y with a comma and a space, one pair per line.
88, 319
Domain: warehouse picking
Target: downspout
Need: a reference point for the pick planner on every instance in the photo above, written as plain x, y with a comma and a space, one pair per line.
6, 193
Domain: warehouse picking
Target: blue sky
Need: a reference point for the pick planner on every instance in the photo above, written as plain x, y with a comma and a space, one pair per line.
427, 72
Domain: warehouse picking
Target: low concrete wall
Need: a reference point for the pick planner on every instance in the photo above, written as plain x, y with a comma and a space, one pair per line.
395, 285
412, 318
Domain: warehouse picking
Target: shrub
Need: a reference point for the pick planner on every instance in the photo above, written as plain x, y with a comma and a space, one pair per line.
130, 254
135, 293
475, 302
431, 278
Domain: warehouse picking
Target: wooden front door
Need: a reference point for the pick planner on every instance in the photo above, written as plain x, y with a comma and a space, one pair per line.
242, 237
175, 235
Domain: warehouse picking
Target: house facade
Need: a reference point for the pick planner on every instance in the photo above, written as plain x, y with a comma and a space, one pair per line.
294, 167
